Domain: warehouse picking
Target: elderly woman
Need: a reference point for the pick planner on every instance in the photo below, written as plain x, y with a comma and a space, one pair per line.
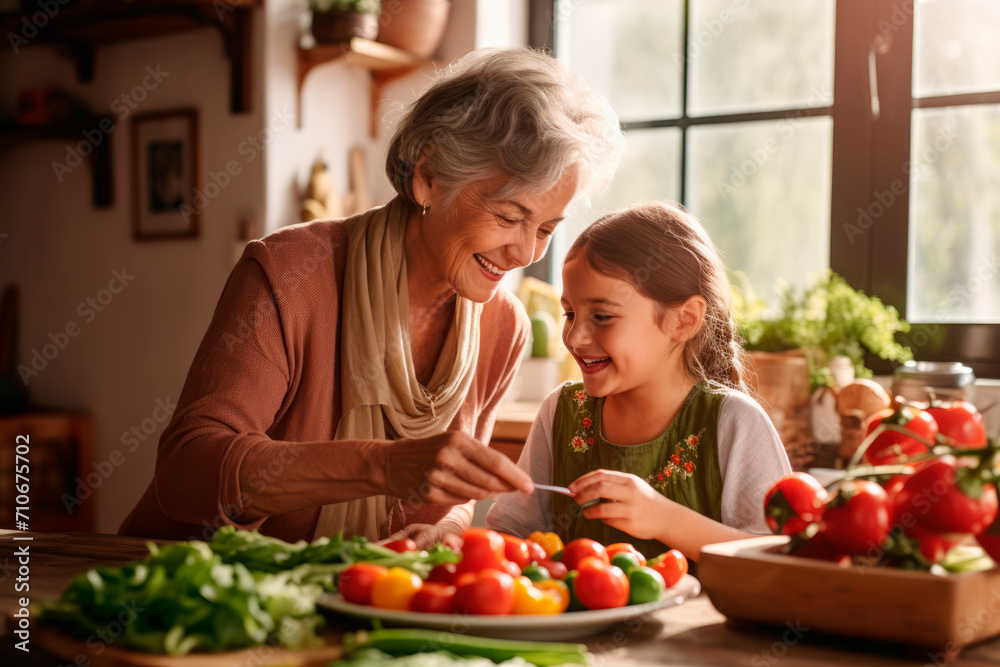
353, 368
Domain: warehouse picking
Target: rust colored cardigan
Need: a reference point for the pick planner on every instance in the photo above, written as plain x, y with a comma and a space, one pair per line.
268, 371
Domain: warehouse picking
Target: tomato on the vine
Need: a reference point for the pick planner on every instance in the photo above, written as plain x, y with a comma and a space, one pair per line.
856, 521
793, 503
581, 548
890, 446
671, 565
960, 422
819, 547
945, 498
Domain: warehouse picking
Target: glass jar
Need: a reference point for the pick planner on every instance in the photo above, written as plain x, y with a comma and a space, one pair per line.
947, 380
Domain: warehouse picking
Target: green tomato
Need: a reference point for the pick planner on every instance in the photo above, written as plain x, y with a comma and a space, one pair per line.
626, 561
536, 572
574, 602
645, 585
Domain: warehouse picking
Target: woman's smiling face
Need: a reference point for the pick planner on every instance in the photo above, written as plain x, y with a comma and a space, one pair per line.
612, 331
477, 240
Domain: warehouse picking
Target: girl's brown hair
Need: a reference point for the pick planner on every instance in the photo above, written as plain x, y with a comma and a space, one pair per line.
666, 255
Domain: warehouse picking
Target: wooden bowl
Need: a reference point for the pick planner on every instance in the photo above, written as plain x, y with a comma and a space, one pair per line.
748, 581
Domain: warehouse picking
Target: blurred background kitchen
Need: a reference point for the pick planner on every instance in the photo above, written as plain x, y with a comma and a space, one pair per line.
143, 143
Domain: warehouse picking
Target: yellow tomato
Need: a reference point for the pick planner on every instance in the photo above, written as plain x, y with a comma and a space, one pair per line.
541, 598
548, 541
395, 589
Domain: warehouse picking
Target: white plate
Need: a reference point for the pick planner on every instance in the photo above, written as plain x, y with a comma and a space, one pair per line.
571, 625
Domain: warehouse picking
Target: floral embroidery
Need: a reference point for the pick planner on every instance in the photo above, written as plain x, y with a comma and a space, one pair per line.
583, 438
680, 465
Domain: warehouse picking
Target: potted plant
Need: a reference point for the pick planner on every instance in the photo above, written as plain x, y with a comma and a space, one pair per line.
793, 346
416, 26
337, 21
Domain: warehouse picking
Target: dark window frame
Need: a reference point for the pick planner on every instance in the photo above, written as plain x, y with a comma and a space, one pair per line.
869, 156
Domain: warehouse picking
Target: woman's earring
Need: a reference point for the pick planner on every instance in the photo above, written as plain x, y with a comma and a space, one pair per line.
425, 208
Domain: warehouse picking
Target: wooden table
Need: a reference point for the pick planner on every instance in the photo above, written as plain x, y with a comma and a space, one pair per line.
691, 634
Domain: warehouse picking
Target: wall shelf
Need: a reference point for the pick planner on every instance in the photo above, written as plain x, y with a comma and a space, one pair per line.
385, 63
88, 24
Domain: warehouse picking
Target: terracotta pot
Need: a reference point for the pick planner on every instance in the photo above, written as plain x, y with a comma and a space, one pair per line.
416, 26
338, 26
781, 380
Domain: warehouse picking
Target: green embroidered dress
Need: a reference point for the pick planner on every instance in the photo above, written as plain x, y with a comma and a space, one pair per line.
682, 464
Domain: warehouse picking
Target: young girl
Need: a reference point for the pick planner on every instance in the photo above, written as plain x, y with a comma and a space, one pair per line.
662, 425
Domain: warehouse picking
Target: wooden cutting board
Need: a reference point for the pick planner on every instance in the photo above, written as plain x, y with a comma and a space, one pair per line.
69, 649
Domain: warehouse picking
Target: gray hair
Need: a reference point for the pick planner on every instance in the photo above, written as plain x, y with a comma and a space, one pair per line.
513, 112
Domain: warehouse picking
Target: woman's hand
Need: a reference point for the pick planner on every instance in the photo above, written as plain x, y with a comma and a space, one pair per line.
447, 532
637, 508
450, 468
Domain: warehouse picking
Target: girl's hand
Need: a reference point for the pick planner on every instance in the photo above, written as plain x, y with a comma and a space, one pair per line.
425, 535
637, 508
450, 468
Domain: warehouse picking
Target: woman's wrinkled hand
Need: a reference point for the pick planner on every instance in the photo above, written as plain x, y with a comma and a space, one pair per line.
425, 535
636, 507
450, 469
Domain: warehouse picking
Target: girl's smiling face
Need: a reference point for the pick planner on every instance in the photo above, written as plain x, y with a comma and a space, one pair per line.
613, 332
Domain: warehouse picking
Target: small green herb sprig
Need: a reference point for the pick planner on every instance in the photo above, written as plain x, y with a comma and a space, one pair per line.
360, 6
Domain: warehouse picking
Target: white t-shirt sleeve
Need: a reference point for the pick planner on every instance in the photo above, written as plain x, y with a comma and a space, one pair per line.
751, 459
519, 513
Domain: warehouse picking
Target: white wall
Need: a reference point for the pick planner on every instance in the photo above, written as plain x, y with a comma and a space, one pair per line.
61, 250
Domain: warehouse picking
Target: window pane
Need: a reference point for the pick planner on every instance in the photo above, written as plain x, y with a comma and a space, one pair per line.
763, 192
954, 215
768, 54
630, 50
651, 169
956, 49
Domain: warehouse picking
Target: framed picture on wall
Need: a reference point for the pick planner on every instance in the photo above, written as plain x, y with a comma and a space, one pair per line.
164, 175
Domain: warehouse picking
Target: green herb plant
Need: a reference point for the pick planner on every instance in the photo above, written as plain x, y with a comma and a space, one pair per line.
827, 319
359, 6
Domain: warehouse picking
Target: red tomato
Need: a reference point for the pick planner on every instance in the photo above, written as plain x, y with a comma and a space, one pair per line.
601, 586
990, 544
819, 547
671, 566
557, 569
933, 547
624, 547
890, 446
516, 551
511, 568
482, 549
944, 498
892, 487
794, 502
579, 549
356, 581
857, 520
485, 592
434, 598
402, 546
445, 573
961, 422
536, 553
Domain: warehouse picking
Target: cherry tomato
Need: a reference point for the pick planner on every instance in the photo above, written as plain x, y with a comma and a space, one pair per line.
402, 546
485, 592
961, 422
933, 547
624, 547
819, 547
550, 542
671, 565
793, 503
395, 589
434, 598
944, 498
557, 569
581, 548
516, 551
857, 520
535, 552
356, 581
482, 549
445, 573
891, 446
601, 586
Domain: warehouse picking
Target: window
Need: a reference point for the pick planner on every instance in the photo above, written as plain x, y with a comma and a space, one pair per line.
861, 135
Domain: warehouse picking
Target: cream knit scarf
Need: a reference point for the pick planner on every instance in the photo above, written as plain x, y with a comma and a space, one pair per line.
380, 396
